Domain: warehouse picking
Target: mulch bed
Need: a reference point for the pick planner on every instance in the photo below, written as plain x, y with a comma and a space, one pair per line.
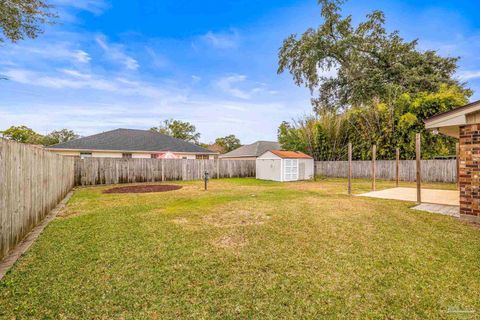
143, 189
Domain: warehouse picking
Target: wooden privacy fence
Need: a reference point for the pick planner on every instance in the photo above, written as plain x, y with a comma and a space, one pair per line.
432, 170
95, 171
32, 182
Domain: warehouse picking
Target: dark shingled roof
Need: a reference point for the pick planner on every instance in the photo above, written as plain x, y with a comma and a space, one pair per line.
253, 150
130, 140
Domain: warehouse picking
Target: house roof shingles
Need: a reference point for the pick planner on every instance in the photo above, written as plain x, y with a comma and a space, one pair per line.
130, 140
253, 150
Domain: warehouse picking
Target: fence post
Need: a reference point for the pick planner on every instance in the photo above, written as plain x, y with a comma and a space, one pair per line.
349, 168
418, 164
457, 158
163, 169
218, 168
397, 167
184, 169
374, 155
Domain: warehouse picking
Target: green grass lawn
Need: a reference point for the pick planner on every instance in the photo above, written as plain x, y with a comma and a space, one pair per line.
247, 249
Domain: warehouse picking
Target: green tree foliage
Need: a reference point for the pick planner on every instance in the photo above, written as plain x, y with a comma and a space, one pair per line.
25, 134
366, 64
178, 129
379, 91
20, 19
203, 145
290, 137
387, 127
60, 136
324, 136
228, 143
22, 134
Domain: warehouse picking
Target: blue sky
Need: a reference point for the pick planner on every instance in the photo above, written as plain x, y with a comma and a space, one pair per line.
131, 64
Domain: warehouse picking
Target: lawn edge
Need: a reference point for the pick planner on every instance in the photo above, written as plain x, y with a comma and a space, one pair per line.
12, 257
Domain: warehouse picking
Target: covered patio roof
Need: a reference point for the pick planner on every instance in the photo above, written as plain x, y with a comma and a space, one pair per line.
448, 123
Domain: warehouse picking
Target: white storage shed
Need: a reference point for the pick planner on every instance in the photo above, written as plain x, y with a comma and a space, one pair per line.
284, 166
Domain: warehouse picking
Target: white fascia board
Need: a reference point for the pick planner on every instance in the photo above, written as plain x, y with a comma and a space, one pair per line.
438, 122
454, 120
268, 155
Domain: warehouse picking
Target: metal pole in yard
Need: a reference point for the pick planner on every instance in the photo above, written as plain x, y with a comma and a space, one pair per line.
374, 168
205, 178
418, 162
397, 167
349, 168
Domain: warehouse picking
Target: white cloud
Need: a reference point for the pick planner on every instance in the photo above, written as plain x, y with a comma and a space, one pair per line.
96, 7
81, 56
74, 79
469, 75
245, 120
231, 84
115, 52
229, 40
60, 51
67, 80
71, 81
226, 84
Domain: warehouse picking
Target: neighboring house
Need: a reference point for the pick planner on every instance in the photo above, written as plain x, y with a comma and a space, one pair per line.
130, 143
251, 151
284, 166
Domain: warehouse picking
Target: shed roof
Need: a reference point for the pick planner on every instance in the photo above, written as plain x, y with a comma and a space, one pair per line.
130, 140
290, 154
255, 149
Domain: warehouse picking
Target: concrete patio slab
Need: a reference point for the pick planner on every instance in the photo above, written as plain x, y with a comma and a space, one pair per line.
453, 211
445, 197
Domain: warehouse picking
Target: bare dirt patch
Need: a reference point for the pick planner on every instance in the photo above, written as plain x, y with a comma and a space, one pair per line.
143, 189
180, 221
234, 218
230, 241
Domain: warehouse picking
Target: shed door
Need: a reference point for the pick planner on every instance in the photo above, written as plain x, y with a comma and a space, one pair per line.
290, 169
301, 170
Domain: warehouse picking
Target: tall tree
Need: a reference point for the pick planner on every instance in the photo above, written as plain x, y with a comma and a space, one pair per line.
22, 134
345, 65
60, 136
178, 129
228, 143
323, 136
20, 19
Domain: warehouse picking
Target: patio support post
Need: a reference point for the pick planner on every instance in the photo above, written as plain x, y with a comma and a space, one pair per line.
418, 167
349, 168
374, 166
397, 167
457, 160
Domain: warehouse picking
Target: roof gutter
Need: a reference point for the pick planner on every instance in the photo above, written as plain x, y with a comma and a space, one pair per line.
127, 151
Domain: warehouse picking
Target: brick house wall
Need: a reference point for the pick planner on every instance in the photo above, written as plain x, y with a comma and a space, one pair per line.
469, 172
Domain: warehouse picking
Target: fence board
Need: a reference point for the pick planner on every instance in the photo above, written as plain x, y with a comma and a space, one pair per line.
96, 171
32, 182
432, 170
